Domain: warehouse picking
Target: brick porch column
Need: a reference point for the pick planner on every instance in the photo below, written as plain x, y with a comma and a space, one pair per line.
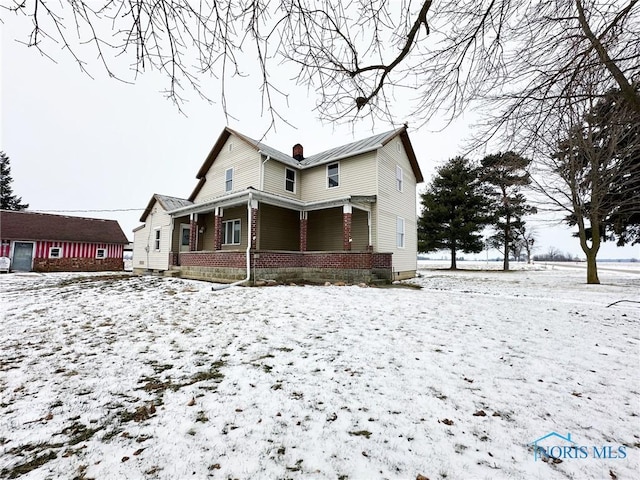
218, 229
346, 227
254, 226
193, 233
303, 231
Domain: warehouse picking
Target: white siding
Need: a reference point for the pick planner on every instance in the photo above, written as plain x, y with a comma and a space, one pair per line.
245, 161
154, 259
392, 204
274, 179
357, 177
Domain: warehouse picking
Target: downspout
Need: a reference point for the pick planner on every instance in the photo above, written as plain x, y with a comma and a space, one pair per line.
148, 247
249, 237
262, 172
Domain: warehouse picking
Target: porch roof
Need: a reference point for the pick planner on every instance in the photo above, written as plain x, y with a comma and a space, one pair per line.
239, 198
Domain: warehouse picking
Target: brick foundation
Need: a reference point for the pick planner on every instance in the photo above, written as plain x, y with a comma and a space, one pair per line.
225, 266
78, 265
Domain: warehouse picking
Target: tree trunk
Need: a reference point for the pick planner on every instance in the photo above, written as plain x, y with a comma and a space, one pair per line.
505, 262
592, 267
507, 238
590, 252
454, 265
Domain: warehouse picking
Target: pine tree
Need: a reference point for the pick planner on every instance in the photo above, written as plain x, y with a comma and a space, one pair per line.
506, 174
455, 209
8, 201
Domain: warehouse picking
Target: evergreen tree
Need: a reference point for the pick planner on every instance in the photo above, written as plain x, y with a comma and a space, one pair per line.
8, 201
455, 209
595, 162
506, 174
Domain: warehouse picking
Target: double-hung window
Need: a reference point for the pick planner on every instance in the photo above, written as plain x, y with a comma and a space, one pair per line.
333, 175
290, 180
156, 241
399, 178
400, 232
231, 232
228, 180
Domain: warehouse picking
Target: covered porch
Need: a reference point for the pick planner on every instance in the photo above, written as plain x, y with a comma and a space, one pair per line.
257, 236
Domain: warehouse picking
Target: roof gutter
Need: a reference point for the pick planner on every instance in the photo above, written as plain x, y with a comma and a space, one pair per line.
203, 207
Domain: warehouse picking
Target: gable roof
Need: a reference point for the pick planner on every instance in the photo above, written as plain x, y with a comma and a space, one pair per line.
367, 145
338, 153
26, 225
166, 202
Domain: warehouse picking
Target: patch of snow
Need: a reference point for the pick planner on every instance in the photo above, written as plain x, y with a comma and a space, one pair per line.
117, 376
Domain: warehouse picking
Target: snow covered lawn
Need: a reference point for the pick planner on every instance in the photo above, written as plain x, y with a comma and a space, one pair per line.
122, 377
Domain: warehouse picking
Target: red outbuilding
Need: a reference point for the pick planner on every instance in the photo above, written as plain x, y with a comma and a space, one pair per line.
42, 242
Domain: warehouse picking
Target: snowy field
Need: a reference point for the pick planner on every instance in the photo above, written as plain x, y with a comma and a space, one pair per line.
122, 377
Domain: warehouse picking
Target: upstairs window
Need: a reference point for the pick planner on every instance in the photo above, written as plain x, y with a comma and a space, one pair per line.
400, 232
231, 232
333, 175
156, 241
228, 180
55, 252
290, 180
399, 178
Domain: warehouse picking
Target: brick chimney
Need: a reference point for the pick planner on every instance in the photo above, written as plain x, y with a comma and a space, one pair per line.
297, 152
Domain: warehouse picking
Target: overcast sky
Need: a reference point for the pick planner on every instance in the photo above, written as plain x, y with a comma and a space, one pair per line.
78, 145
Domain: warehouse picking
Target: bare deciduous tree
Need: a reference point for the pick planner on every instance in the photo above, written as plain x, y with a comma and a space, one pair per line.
590, 164
524, 240
358, 56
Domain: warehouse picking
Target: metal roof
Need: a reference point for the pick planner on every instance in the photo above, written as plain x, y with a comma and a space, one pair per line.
166, 202
350, 149
337, 153
171, 203
27, 225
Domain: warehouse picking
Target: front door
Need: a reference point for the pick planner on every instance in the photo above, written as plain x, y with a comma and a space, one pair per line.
185, 231
22, 256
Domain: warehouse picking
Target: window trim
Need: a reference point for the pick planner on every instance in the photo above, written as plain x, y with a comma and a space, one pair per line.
228, 182
399, 179
104, 253
401, 235
157, 237
286, 180
224, 231
60, 252
337, 175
